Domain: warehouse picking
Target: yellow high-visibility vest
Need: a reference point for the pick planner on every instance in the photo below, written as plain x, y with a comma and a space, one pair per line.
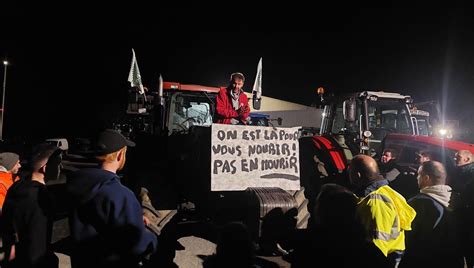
386, 216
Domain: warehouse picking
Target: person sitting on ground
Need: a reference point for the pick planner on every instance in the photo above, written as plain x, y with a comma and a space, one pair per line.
232, 104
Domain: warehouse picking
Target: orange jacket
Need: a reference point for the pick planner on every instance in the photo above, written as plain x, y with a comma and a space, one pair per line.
6, 180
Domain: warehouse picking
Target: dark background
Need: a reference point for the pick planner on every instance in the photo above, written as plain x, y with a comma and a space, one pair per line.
68, 73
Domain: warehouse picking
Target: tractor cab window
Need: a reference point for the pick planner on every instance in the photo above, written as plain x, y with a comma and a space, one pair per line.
388, 116
188, 110
424, 127
384, 116
340, 125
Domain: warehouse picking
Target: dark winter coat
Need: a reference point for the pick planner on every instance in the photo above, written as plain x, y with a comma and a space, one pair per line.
27, 213
434, 240
106, 221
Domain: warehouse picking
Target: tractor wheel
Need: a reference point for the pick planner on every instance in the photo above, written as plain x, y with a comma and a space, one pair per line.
302, 205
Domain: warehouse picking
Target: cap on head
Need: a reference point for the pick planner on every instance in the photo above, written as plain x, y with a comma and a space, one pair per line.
110, 141
8, 160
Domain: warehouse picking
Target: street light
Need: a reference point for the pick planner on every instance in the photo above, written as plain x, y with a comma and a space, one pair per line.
5, 64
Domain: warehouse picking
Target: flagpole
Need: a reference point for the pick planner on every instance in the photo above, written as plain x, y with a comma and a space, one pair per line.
5, 64
257, 87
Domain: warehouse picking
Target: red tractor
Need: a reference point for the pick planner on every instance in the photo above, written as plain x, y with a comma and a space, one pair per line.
366, 122
172, 128
175, 126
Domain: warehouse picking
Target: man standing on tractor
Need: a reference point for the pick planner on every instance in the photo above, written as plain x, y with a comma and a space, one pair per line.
232, 103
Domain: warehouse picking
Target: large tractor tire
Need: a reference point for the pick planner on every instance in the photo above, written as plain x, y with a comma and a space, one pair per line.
302, 205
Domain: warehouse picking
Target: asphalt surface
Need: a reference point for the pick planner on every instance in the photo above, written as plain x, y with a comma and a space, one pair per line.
195, 236
195, 245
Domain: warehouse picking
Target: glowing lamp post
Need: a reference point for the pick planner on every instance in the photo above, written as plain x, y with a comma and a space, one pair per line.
5, 64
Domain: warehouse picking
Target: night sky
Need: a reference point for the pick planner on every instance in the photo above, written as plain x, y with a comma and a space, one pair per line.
68, 76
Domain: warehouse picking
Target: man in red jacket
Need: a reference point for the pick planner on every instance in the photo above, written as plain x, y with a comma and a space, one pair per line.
232, 103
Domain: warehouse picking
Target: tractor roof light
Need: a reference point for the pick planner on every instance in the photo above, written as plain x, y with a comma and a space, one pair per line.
373, 98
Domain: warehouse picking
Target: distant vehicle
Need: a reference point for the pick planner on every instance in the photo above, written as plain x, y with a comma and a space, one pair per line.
61, 143
423, 123
431, 123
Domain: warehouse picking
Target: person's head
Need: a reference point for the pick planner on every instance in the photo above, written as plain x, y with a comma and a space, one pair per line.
335, 205
237, 81
463, 157
39, 159
423, 156
431, 173
363, 170
387, 155
10, 161
111, 148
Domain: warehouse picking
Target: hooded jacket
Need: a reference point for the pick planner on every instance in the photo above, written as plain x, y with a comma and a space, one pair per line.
386, 216
106, 222
435, 238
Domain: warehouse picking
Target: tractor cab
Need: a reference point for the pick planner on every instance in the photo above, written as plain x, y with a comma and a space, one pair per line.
367, 117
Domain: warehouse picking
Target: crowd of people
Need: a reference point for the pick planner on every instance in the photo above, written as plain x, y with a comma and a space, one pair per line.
368, 224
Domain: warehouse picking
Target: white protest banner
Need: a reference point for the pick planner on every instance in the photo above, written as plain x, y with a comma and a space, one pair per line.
253, 156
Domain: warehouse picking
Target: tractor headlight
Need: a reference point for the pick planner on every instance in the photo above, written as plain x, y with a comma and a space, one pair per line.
443, 132
367, 134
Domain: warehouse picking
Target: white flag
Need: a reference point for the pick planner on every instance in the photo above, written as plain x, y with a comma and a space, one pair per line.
134, 76
160, 90
257, 86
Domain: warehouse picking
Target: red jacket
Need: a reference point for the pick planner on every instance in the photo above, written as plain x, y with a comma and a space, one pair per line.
225, 111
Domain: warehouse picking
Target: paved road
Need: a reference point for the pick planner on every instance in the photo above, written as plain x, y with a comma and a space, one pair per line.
195, 246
